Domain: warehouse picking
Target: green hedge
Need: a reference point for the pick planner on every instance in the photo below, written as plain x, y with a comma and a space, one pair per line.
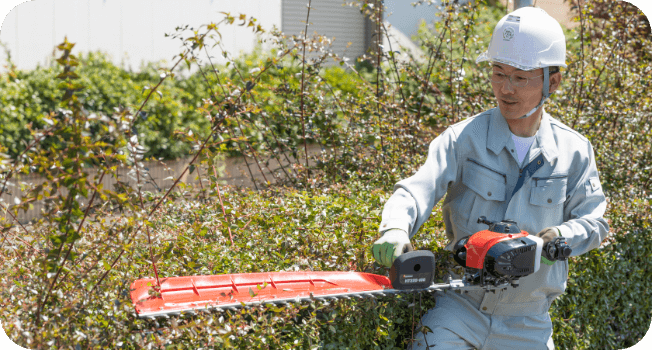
607, 304
28, 96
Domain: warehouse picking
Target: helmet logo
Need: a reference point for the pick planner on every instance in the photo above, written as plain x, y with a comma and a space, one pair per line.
508, 33
515, 19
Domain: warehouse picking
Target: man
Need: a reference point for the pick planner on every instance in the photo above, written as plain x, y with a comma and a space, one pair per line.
512, 162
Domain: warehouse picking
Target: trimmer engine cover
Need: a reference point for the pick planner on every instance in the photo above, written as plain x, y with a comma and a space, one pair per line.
413, 270
482, 242
513, 257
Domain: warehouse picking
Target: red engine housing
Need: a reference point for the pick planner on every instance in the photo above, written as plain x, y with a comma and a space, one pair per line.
479, 244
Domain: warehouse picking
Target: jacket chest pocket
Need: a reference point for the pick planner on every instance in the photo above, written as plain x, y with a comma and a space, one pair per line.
489, 187
548, 192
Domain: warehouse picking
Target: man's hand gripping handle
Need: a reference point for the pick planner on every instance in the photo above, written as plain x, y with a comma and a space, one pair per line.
393, 243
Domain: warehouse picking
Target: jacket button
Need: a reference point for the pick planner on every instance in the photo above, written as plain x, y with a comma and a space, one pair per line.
484, 308
549, 200
489, 194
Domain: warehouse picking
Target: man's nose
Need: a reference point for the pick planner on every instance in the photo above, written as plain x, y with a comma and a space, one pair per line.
507, 87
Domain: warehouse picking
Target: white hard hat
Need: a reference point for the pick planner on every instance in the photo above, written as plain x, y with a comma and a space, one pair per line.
527, 39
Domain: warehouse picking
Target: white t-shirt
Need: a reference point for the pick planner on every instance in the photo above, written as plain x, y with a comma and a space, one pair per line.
522, 146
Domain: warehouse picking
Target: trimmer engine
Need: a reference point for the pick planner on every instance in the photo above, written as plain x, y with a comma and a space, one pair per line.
501, 254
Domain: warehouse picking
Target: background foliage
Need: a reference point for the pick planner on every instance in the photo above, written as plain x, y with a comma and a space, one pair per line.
65, 279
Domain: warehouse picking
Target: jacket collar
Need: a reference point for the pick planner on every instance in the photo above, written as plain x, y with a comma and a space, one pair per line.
546, 139
498, 135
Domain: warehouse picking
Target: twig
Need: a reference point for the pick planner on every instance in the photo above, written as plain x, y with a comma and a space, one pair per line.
378, 69
201, 186
425, 338
70, 199
393, 59
34, 143
303, 69
579, 95
20, 239
245, 158
431, 66
450, 71
253, 152
459, 88
149, 238
413, 301
277, 142
247, 224
219, 195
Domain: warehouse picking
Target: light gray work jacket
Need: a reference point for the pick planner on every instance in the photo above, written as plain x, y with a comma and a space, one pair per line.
475, 164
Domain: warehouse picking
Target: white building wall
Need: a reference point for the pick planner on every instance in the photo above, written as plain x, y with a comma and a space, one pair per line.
130, 31
342, 24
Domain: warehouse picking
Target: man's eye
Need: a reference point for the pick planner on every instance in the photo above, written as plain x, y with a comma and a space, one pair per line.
520, 79
499, 74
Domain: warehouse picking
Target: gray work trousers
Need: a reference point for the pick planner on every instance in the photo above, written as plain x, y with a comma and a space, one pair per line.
457, 324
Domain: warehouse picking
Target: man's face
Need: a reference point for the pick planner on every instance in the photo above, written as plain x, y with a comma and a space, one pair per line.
514, 102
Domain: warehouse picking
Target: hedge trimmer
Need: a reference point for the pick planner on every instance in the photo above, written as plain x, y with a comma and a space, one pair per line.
493, 259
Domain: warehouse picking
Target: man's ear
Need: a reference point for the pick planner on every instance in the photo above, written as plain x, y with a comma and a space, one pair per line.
555, 80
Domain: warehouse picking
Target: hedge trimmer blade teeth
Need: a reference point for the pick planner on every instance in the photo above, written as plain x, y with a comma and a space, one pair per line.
191, 294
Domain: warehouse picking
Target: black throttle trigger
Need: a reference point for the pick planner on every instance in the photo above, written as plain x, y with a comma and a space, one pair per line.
459, 251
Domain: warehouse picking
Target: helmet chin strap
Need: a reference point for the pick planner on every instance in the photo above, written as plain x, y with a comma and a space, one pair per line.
546, 92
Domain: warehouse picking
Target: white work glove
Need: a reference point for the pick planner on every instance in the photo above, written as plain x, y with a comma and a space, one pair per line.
393, 243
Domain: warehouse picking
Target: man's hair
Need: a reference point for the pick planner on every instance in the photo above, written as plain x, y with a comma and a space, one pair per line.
553, 69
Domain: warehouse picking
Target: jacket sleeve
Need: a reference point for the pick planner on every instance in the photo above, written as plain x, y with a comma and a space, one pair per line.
584, 226
413, 199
